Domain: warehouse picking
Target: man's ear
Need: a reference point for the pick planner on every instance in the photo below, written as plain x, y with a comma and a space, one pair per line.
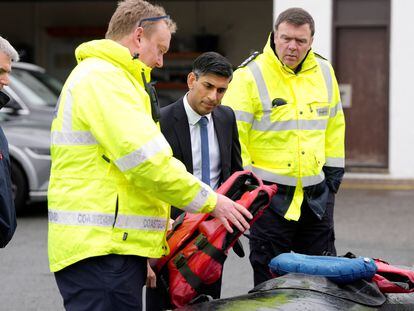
137, 36
191, 78
311, 41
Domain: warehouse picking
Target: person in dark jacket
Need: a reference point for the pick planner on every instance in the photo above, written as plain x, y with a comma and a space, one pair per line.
181, 124
7, 211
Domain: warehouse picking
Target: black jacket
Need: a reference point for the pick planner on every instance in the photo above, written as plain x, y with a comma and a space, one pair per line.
7, 210
174, 126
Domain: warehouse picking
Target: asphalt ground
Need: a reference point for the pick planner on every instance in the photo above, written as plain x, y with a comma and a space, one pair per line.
374, 223
370, 221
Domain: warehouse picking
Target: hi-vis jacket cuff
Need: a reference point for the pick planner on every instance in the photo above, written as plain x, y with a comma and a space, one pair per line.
200, 199
335, 162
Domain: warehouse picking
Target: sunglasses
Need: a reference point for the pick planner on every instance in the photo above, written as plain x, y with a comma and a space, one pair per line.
152, 19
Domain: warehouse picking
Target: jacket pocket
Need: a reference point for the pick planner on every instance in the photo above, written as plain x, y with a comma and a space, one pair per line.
271, 158
317, 110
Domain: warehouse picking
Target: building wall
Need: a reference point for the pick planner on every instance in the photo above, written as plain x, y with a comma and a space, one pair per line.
401, 112
240, 31
243, 27
401, 90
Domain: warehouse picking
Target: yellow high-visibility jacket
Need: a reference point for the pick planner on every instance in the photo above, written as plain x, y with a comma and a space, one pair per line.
291, 124
113, 176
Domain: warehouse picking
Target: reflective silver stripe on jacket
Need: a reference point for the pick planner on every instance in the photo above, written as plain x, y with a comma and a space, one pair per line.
335, 162
288, 180
67, 136
261, 86
291, 125
266, 125
142, 154
76, 218
276, 178
313, 180
326, 72
335, 110
67, 110
199, 200
73, 138
244, 116
141, 223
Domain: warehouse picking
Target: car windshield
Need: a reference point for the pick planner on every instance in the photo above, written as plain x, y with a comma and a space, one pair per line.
36, 87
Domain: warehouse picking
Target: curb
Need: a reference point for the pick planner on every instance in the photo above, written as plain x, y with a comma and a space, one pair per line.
378, 184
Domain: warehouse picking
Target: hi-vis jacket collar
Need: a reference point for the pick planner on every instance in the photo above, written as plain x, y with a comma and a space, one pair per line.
114, 53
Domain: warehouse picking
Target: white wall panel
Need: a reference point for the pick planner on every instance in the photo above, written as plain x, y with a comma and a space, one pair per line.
401, 90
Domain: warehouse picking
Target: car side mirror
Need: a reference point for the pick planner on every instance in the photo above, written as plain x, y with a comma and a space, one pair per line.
12, 108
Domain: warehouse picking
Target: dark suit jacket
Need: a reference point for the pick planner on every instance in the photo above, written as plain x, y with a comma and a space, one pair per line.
174, 126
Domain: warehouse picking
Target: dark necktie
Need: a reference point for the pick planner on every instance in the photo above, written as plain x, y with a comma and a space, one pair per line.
205, 159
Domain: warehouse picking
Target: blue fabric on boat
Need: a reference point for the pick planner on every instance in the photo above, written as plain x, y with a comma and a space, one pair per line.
340, 270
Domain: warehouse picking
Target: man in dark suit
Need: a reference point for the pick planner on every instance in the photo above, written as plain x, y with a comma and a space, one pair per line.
183, 123
180, 122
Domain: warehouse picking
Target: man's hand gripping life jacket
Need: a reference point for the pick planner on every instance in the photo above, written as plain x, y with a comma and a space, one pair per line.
199, 244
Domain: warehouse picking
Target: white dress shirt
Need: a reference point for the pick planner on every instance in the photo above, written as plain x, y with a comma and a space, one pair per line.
214, 152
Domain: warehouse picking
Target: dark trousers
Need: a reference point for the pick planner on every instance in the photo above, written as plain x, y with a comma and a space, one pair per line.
111, 282
272, 235
158, 299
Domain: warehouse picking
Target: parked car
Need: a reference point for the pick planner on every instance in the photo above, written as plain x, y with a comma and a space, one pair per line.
26, 121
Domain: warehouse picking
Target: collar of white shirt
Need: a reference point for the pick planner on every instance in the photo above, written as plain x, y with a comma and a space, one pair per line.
193, 117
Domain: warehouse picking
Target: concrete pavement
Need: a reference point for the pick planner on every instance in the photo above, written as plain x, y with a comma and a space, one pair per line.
369, 222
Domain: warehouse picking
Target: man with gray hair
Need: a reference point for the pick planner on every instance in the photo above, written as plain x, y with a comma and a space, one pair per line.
113, 176
7, 211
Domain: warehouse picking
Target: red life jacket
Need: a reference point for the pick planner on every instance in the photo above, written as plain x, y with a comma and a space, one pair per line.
199, 243
391, 279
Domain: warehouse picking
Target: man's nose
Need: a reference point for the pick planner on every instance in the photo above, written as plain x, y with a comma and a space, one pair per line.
160, 62
4, 79
213, 95
292, 46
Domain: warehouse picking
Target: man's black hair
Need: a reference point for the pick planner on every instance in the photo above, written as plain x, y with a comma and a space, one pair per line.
212, 63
